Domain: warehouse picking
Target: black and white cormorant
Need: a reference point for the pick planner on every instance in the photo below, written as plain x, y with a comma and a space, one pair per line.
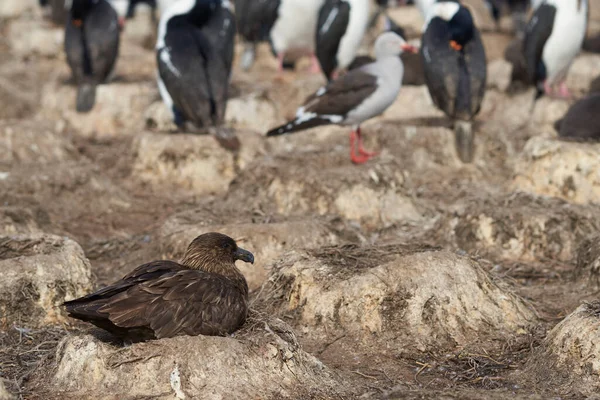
553, 37
455, 68
294, 30
92, 46
255, 18
340, 29
194, 52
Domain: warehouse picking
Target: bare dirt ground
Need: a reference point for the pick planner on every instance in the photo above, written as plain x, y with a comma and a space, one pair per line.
500, 251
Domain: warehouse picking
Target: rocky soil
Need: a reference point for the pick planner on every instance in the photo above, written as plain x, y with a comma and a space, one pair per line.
412, 276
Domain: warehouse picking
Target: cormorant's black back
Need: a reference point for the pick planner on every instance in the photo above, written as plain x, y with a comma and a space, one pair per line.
92, 46
537, 33
331, 27
456, 79
195, 65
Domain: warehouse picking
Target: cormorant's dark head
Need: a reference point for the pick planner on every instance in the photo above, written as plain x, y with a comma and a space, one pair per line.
461, 28
215, 252
210, 6
79, 9
203, 10
209, 3
459, 20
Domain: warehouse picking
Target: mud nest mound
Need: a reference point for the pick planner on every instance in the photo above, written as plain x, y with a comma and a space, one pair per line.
413, 296
263, 360
588, 262
568, 357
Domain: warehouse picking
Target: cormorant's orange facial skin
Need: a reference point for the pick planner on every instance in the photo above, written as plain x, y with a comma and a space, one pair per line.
77, 23
455, 45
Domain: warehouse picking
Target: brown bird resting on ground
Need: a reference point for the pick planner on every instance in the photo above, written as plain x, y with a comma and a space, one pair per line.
204, 295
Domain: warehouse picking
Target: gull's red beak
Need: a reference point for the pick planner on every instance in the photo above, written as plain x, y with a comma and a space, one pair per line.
409, 48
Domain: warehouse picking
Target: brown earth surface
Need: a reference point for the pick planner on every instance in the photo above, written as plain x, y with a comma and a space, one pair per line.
413, 276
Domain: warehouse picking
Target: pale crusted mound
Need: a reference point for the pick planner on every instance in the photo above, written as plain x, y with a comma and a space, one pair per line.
413, 102
545, 113
519, 226
27, 142
498, 75
118, 110
15, 8
570, 354
190, 162
27, 37
275, 101
568, 170
158, 117
584, 69
588, 262
373, 197
414, 296
267, 241
39, 272
254, 111
263, 361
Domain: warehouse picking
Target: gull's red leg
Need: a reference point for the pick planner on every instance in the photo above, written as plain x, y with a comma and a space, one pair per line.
356, 158
361, 149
